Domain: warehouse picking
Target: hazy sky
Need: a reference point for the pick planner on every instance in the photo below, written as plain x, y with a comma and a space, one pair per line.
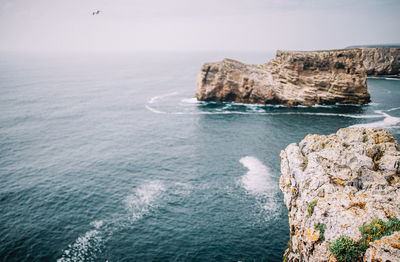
259, 25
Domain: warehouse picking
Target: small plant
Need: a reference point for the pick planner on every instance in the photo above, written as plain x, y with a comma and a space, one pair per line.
378, 229
321, 228
311, 207
345, 249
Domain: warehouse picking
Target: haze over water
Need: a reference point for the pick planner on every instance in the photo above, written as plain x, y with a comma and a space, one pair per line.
109, 157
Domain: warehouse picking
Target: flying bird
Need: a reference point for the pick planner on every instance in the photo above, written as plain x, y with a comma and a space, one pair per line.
96, 12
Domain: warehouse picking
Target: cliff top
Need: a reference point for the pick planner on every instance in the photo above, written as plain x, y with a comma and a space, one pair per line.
374, 46
339, 189
312, 51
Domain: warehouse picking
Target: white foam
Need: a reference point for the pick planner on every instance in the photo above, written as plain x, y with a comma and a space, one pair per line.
155, 110
154, 99
262, 112
384, 78
259, 183
257, 179
393, 109
388, 121
143, 199
97, 224
138, 204
191, 100
254, 109
85, 246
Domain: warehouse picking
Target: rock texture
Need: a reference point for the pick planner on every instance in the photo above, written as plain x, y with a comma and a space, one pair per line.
381, 61
384, 249
291, 78
342, 181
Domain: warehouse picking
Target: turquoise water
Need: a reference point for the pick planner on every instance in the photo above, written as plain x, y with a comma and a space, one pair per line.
109, 157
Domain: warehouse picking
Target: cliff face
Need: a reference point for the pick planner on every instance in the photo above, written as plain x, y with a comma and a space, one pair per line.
333, 185
291, 78
381, 61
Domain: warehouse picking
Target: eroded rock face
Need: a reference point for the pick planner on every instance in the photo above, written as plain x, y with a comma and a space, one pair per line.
384, 249
291, 78
381, 61
342, 181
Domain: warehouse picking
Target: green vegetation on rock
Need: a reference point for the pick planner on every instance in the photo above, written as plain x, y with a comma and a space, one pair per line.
378, 229
311, 207
347, 249
321, 228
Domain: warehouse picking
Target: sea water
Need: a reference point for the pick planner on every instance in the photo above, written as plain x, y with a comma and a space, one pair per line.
110, 157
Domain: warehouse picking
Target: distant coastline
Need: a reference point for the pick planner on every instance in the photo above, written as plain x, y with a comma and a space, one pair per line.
375, 46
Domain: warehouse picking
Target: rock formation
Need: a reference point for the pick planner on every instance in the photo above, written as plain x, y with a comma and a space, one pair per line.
291, 78
381, 61
333, 185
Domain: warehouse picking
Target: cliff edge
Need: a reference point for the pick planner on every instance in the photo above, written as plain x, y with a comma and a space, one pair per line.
291, 78
342, 192
382, 61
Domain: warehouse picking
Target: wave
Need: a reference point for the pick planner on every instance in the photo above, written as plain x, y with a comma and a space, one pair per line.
85, 246
393, 109
145, 197
259, 183
138, 204
229, 108
388, 121
384, 77
160, 97
257, 180
258, 112
194, 100
333, 114
191, 100
155, 110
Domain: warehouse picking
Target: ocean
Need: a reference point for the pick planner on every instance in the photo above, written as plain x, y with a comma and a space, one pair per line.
109, 157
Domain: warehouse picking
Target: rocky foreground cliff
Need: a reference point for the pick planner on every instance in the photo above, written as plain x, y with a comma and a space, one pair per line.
291, 78
342, 192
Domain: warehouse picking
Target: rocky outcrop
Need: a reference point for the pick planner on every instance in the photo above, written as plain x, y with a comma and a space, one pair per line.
381, 61
332, 186
385, 249
291, 78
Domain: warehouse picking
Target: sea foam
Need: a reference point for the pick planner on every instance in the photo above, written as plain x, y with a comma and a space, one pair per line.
259, 183
257, 180
388, 121
143, 199
191, 100
154, 99
85, 247
251, 109
138, 204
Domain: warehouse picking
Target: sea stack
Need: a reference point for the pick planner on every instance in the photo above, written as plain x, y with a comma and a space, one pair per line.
291, 78
342, 192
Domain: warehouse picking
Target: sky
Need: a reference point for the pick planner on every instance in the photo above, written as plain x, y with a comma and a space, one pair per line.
201, 25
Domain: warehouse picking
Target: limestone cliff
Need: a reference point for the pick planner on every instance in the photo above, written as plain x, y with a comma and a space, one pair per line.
382, 61
291, 78
342, 192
